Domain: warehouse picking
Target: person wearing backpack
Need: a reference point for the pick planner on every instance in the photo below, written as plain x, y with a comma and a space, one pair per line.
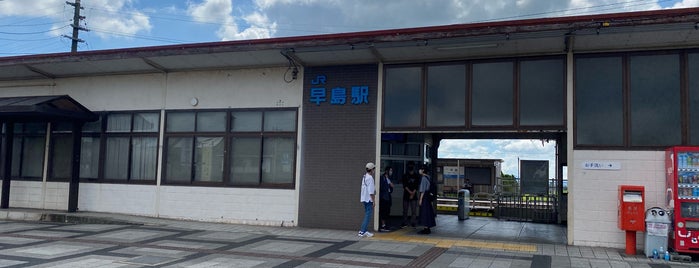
427, 195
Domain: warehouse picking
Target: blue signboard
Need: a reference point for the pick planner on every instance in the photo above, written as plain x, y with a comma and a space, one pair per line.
338, 95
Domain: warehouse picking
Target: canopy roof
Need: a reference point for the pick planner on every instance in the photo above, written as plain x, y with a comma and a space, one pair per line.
43, 108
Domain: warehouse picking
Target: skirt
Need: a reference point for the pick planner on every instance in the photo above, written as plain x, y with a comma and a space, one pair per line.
427, 215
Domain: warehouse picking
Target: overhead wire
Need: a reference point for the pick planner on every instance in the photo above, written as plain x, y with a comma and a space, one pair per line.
19, 44
39, 32
201, 20
28, 25
289, 27
589, 9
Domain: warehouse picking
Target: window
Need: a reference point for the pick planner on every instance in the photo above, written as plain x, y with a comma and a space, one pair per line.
62, 150
599, 114
255, 148
654, 100
476, 95
278, 159
446, 95
246, 154
493, 94
195, 147
631, 100
28, 147
403, 97
131, 146
263, 156
542, 92
693, 84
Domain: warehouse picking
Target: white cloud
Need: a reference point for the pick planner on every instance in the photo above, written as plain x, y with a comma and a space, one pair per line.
107, 16
39, 8
119, 17
251, 19
510, 151
221, 12
686, 4
300, 17
211, 11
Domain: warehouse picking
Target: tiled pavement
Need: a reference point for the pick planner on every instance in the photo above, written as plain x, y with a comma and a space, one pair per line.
108, 240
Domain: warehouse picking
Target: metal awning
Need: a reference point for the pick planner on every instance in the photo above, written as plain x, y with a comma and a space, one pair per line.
43, 109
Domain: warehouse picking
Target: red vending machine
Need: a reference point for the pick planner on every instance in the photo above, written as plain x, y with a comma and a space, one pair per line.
682, 195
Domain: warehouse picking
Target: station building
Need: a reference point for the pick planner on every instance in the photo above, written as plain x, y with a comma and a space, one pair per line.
277, 131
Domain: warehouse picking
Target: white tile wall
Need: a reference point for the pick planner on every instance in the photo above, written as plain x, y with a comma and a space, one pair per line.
595, 212
233, 205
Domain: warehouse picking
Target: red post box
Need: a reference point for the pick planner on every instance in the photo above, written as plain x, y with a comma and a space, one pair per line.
632, 207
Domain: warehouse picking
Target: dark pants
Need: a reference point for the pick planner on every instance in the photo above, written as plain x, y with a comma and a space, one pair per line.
384, 210
413, 209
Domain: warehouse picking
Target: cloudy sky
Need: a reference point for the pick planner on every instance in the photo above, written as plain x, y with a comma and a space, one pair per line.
38, 26
510, 151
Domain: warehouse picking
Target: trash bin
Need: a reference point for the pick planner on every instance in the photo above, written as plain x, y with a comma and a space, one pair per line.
463, 205
657, 227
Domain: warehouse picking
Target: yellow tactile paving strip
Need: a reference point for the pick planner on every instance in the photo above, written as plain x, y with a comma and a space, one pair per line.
445, 242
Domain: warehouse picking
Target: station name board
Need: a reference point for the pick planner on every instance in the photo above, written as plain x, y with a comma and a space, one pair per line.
337, 95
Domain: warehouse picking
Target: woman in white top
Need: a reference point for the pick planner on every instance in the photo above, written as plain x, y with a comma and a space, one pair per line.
367, 198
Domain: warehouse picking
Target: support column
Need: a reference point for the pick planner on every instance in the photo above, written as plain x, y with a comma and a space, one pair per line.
7, 163
75, 167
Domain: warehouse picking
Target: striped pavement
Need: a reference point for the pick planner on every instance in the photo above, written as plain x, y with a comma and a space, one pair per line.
35, 238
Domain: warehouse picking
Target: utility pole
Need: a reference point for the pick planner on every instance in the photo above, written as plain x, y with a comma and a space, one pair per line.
76, 26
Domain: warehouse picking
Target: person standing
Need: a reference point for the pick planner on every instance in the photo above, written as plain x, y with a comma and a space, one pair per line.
411, 181
367, 198
385, 190
468, 186
427, 214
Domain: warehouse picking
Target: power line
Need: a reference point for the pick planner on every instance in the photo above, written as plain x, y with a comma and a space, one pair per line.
26, 25
27, 40
285, 27
144, 37
40, 32
646, 2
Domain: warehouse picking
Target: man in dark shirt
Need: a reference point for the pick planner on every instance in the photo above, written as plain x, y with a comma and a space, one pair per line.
411, 181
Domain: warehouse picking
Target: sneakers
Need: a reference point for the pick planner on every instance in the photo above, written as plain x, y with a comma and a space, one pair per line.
364, 234
384, 229
425, 231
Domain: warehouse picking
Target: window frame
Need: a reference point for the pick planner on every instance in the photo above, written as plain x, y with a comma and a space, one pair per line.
468, 100
105, 135
228, 135
56, 134
21, 135
626, 99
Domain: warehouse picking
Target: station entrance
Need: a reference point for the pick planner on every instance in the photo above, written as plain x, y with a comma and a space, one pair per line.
524, 204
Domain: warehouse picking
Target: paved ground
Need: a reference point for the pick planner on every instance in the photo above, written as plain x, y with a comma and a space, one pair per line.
27, 239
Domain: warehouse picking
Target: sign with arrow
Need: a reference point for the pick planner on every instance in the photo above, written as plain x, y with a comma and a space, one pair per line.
606, 165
